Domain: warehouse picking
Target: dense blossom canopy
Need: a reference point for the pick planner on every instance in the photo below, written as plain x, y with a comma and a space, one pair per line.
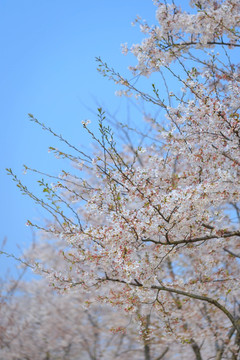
155, 229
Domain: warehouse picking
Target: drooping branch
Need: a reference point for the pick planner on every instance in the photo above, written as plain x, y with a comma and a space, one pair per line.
183, 293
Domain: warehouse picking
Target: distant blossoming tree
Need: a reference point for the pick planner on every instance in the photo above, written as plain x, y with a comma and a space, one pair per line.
154, 229
37, 323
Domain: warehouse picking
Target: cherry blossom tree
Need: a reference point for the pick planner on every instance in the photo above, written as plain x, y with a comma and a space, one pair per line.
154, 229
39, 324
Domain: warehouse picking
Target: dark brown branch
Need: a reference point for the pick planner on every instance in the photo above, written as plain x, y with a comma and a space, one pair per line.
196, 350
163, 354
231, 253
207, 226
197, 239
190, 43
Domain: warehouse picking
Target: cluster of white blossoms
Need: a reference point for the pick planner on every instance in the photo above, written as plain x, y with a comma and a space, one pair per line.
212, 23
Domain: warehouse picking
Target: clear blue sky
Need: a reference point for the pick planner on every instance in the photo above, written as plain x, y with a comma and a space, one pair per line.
48, 68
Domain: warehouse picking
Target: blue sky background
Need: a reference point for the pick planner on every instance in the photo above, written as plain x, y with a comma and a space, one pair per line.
48, 68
